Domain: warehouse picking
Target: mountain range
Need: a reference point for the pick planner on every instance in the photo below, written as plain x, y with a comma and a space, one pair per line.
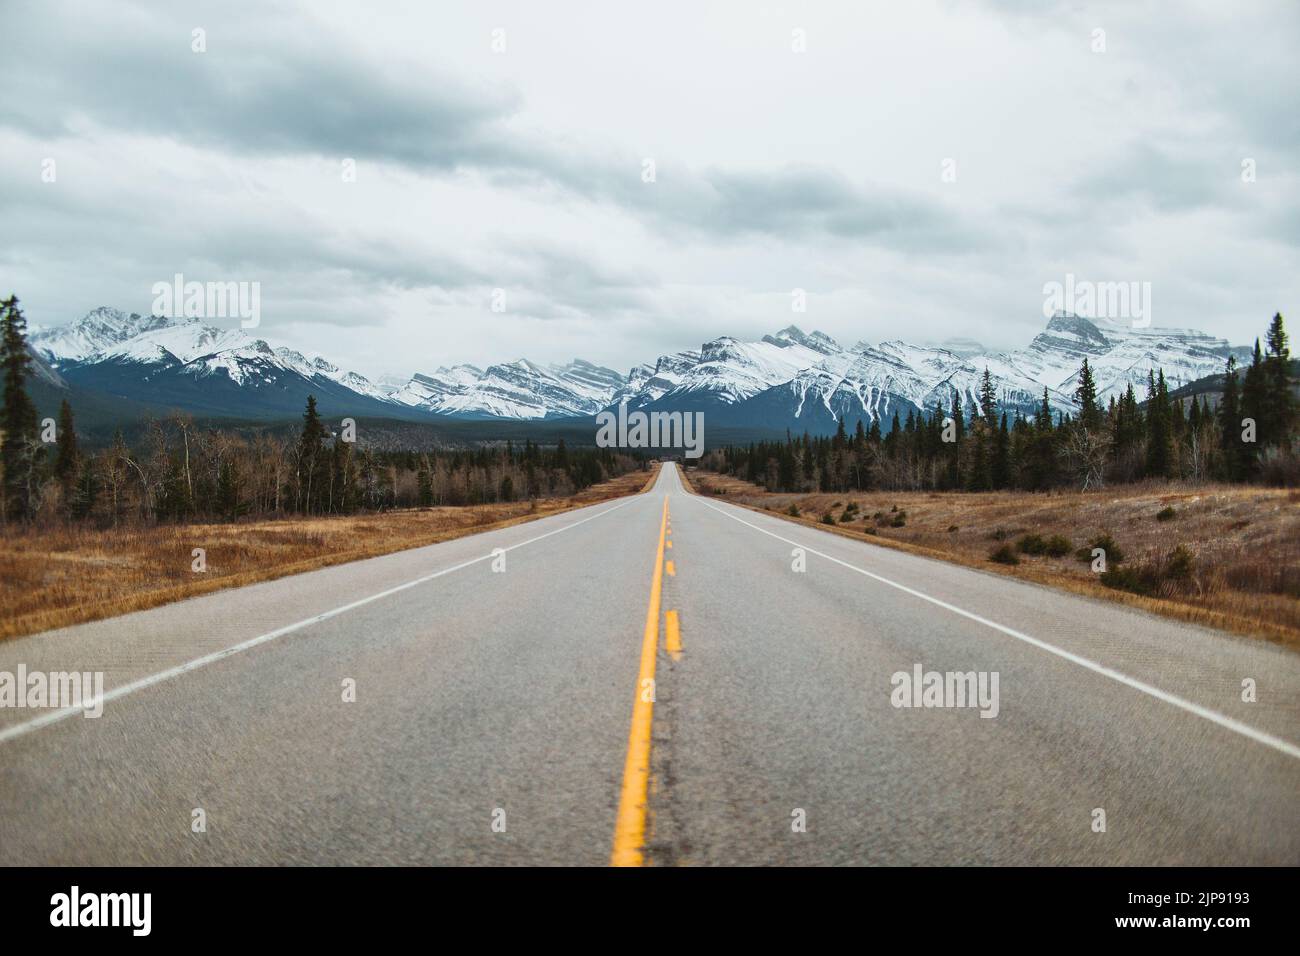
789, 379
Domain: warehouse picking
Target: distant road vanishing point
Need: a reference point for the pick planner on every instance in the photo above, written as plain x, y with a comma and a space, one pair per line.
664, 679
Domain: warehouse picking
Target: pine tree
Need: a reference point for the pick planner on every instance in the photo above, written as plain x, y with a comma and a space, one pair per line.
1043, 417
312, 471
1159, 433
20, 451
1278, 400
1254, 400
1002, 456
1230, 443
1086, 396
226, 500
988, 398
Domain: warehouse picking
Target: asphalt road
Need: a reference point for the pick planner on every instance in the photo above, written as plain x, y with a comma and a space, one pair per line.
504, 716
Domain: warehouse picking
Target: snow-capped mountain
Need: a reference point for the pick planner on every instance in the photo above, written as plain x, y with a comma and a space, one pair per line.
793, 379
98, 330
518, 390
185, 364
789, 379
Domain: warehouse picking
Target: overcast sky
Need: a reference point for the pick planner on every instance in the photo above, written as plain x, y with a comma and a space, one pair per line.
522, 169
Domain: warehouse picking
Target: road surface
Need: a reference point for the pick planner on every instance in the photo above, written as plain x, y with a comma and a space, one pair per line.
517, 702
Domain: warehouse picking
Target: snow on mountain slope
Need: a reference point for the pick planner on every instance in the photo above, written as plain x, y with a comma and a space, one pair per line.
99, 329
649, 383
731, 371
518, 389
1117, 354
140, 349
789, 378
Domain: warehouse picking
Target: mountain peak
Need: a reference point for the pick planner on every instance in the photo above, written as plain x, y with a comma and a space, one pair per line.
793, 335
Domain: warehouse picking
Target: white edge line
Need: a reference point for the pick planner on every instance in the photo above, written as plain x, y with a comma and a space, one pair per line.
54, 716
1259, 736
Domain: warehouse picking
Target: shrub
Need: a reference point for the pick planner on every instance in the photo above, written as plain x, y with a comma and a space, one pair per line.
1058, 546
828, 518
1166, 573
1179, 564
1165, 514
793, 510
900, 519
1004, 554
1114, 553
1141, 580
1031, 544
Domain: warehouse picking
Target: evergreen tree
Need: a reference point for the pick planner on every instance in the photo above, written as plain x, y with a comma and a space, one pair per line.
226, 500
1278, 400
1086, 396
20, 451
1002, 456
68, 456
1255, 404
988, 398
1232, 463
1159, 435
313, 474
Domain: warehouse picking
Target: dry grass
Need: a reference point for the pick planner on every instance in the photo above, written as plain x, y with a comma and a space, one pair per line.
56, 577
1245, 542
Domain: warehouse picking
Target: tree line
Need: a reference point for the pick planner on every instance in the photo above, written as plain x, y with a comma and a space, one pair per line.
1249, 435
179, 471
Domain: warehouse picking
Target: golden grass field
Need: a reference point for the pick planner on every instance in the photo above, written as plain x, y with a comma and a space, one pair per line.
52, 577
1245, 541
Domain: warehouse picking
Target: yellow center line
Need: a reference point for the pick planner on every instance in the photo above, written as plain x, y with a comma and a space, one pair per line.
673, 635
629, 827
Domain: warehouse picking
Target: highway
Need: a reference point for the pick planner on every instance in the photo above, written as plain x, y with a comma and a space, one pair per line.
664, 679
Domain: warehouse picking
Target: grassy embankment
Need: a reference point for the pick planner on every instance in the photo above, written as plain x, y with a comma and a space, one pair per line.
1239, 567
53, 577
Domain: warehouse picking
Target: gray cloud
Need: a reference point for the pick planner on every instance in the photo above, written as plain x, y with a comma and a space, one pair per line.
525, 172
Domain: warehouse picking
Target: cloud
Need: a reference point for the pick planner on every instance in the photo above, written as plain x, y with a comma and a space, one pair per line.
525, 171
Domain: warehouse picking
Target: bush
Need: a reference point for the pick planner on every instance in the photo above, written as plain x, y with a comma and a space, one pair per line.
1179, 564
828, 518
1004, 554
1058, 546
1166, 573
793, 510
1114, 553
1143, 580
1031, 544
900, 519
1165, 514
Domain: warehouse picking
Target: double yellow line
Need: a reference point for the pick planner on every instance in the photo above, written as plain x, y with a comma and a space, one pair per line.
630, 826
